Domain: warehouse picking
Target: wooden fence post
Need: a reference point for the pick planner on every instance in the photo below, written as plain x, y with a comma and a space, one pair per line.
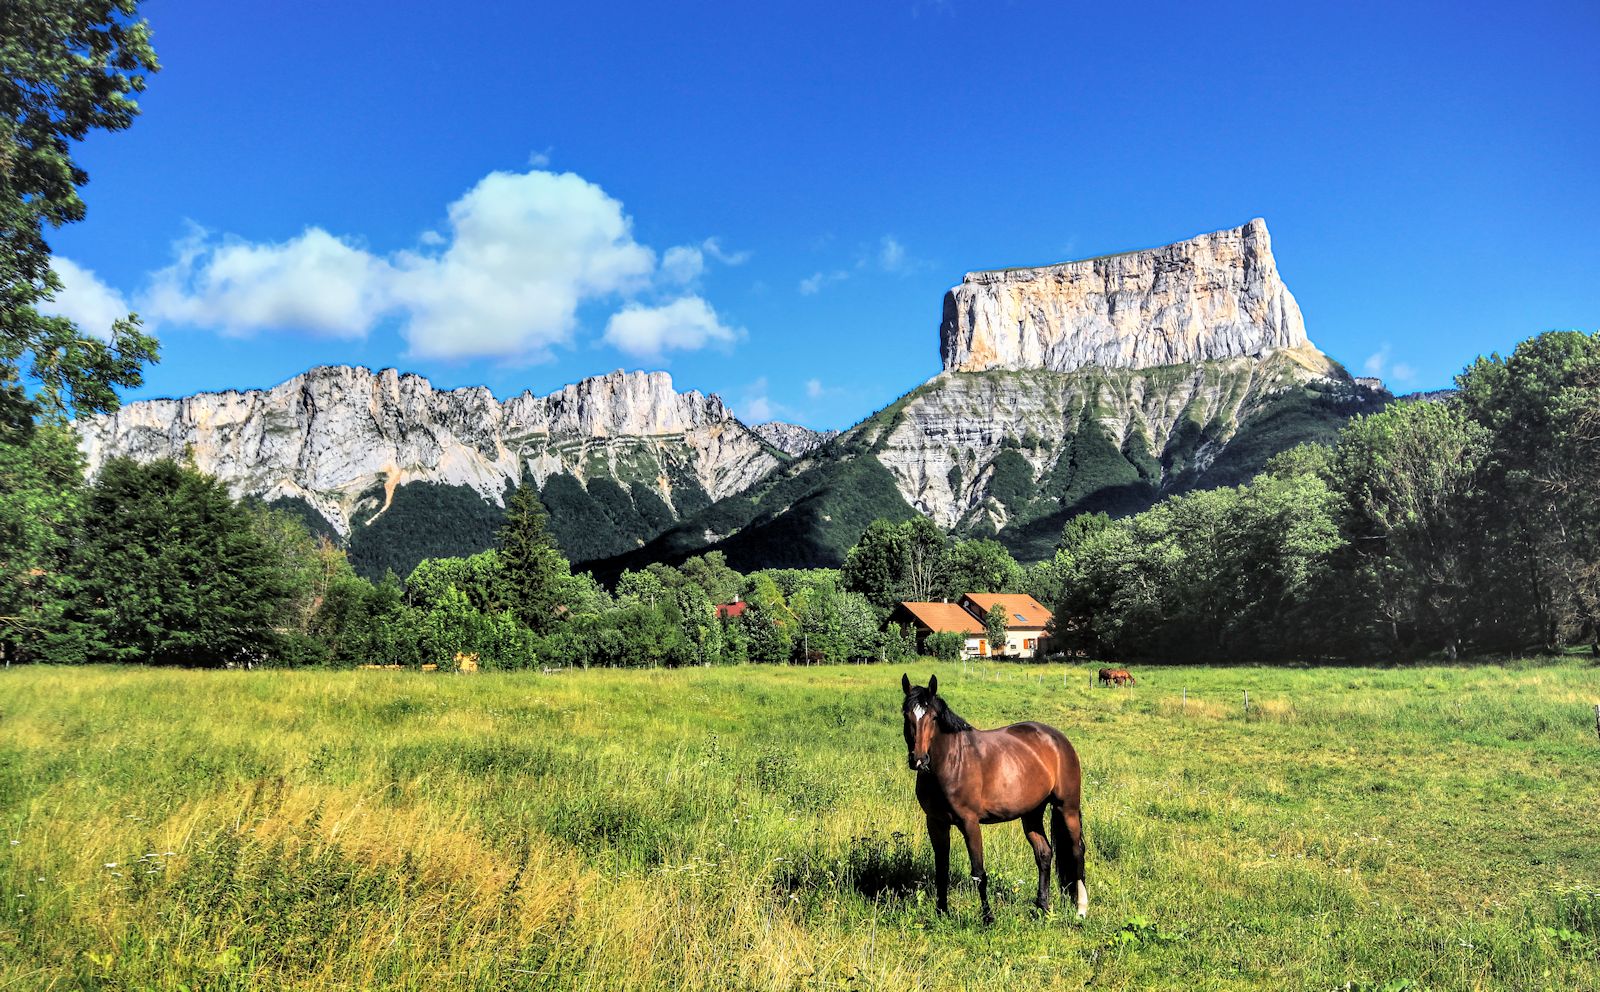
1597, 719
1247, 702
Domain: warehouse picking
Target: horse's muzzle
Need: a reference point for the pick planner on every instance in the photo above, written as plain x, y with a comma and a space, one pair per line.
919, 763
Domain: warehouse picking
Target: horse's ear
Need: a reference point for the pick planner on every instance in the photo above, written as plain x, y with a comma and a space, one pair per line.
933, 684
905, 683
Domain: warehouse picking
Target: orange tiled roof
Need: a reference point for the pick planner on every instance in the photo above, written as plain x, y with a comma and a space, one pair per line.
943, 617
1015, 605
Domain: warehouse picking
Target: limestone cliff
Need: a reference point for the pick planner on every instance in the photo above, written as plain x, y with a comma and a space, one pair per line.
343, 439
1211, 297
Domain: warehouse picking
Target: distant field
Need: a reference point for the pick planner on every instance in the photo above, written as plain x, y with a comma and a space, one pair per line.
1364, 828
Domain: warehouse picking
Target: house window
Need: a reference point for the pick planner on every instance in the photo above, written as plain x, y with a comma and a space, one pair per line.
1020, 618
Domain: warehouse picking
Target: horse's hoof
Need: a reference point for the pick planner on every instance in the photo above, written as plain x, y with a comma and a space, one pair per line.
988, 918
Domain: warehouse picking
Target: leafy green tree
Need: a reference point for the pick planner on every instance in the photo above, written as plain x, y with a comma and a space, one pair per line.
1541, 405
480, 578
1410, 478
66, 69
642, 587
982, 566
452, 625
768, 623
909, 560
927, 563
308, 565
875, 566
945, 645
995, 626
361, 622
712, 573
534, 572
701, 627
41, 496
169, 569
897, 643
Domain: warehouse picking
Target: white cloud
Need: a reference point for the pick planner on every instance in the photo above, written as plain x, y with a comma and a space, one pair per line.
682, 264
686, 323
521, 253
539, 160
525, 249
504, 277
315, 283
891, 254
812, 285
85, 300
814, 388
713, 247
1379, 362
755, 406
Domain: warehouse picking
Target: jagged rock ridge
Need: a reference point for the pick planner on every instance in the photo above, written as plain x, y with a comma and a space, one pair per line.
1214, 296
343, 438
792, 439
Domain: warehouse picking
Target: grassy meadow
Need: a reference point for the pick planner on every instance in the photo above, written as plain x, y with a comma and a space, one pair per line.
754, 828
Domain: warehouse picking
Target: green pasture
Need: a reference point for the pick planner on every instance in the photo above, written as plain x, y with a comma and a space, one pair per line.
754, 828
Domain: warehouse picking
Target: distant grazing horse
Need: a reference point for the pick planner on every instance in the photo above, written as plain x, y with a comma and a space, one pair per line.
1116, 676
967, 777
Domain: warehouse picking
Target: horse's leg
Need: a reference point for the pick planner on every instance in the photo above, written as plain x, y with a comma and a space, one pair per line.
939, 837
1033, 829
972, 833
1067, 826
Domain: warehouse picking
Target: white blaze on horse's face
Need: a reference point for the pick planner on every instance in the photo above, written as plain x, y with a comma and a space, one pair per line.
919, 736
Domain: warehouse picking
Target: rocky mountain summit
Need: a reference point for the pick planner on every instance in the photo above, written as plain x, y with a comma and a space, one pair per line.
1094, 385
342, 441
1211, 297
792, 439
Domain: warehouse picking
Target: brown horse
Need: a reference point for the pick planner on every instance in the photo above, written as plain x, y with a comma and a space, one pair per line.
967, 777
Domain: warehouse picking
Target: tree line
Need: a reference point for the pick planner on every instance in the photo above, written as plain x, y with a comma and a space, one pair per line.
1470, 525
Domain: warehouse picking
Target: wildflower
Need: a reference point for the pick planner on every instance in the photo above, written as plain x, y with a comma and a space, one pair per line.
109, 864
14, 843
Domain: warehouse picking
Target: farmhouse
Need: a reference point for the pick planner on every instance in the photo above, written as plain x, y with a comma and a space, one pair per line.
1025, 633
1026, 621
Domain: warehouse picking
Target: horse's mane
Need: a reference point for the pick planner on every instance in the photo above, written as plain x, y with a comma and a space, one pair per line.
949, 720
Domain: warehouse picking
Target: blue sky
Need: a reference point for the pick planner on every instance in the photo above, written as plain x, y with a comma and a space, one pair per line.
769, 200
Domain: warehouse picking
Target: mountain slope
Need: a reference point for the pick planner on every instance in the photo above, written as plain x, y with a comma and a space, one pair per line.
393, 466
1094, 385
1014, 455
